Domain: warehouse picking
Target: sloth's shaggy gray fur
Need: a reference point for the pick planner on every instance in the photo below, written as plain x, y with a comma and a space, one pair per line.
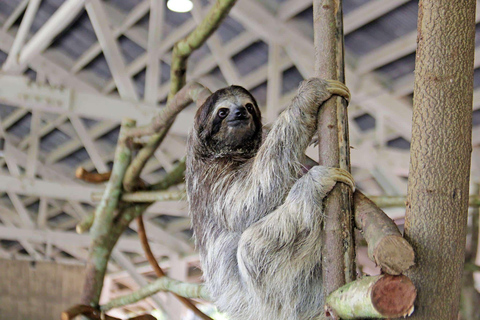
256, 219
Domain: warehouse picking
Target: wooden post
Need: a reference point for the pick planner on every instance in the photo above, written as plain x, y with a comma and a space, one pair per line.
437, 200
338, 253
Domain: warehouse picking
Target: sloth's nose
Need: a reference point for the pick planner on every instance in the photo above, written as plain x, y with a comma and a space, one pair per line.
240, 113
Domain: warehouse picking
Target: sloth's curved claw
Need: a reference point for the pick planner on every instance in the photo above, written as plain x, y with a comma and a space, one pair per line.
344, 176
338, 88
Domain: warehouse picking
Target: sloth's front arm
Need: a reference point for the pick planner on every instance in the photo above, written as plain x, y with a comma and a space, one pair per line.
277, 164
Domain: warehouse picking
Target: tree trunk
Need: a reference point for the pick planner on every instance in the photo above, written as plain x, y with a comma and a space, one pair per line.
437, 200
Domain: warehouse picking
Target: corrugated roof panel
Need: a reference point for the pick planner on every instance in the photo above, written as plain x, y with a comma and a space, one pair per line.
8, 6
350, 5
399, 143
260, 93
399, 68
53, 140
78, 38
229, 29
365, 122
129, 49
75, 159
291, 79
22, 127
254, 56
124, 5
45, 11
389, 27
100, 67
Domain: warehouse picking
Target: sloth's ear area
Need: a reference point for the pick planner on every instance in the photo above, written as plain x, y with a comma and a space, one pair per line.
203, 113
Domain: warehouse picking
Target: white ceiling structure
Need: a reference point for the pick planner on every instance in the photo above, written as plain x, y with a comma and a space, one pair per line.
71, 70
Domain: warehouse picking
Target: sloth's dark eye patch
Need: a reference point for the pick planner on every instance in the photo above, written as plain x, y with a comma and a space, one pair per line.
249, 107
222, 113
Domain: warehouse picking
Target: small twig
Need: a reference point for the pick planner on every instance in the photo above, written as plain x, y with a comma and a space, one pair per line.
86, 223
84, 175
187, 290
159, 272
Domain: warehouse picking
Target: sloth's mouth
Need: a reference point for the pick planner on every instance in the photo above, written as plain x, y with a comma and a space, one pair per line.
237, 122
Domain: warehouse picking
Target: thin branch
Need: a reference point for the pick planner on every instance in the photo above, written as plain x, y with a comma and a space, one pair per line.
338, 244
86, 223
159, 272
187, 290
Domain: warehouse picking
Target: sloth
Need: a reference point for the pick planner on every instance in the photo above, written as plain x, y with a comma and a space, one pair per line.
256, 217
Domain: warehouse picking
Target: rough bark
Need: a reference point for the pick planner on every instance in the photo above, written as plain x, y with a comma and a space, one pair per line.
437, 200
338, 253
399, 201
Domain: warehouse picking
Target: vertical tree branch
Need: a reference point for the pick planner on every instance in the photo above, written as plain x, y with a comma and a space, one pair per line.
437, 199
102, 238
338, 255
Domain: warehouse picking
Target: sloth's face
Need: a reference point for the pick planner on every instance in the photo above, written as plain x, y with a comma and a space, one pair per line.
230, 121
233, 121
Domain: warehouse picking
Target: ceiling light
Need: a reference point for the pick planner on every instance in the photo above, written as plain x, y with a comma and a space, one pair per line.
180, 5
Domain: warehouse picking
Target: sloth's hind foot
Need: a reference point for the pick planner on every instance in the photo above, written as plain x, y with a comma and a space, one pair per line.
338, 88
341, 175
